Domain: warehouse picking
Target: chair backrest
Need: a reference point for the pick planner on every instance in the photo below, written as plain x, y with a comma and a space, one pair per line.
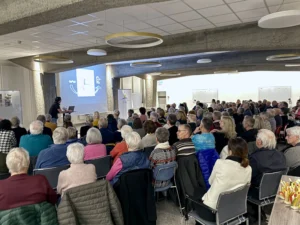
232, 204
3, 176
148, 150
51, 174
109, 147
102, 165
165, 172
294, 171
277, 131
269, 184
251, 147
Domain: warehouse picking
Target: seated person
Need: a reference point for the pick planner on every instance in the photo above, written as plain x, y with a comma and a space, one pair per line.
266, 122
292, 154
117, 133
154, 118
35, 142
46, 130
162, 153
7, 136
278, 117
78, 173
89, 123
184, 146
132, 160
112, 121
130, 118
49, 123
72, 135
96, 119
161, 116
250, 133
181, 117
226, 175
95, 148
171, 121
266, 159
143, 116
271, 114
121, 147
216, 120
20, 189
150, 139
192, 119
55, 155
67, 121
137, 126
205, 140
107, 135
19, 131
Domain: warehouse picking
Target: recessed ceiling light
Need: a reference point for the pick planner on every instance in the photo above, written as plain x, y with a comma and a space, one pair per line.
283, 57
96, 52
202, 61
170, 74
145, 64
225, 71
292, 65
281, 19
154, 74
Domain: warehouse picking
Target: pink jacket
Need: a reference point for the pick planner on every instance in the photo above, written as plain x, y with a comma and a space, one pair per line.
93, 151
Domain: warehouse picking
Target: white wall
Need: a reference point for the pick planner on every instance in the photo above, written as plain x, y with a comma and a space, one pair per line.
230, 87
13, 77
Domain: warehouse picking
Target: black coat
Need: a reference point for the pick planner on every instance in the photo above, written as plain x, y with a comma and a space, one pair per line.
136, 194
249, 135
221, 141
173, 135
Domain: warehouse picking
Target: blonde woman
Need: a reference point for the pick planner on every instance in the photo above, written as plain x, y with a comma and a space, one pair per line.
259, 122
266, 123
271, 114
181, 117
96, 119
227, 132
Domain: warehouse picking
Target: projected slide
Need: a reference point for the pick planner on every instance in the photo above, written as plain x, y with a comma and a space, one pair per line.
84, 88
85, 83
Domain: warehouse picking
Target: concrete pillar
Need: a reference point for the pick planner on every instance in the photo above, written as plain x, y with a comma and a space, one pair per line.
149, 92
109, 88
115, 86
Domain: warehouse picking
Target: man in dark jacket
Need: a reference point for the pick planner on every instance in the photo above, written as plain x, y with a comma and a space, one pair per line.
172, 119
266, 159
250, 134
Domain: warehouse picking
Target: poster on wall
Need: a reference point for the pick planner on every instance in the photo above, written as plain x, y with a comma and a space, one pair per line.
10, 104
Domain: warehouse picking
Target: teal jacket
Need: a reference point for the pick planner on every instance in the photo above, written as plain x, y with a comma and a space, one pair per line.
38, 214
34, 144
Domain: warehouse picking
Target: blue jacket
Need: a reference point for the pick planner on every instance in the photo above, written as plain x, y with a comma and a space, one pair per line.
54, 156
35, 143
207, 159
107, 136
132, 161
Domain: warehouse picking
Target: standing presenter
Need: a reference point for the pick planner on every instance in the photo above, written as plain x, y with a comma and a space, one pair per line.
55, 109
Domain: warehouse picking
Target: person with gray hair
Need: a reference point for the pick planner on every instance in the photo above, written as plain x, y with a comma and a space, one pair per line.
88, 124
36, 141
250, 133
79, 173
271, 114
19, 131
31, 189
121, 147
134, 159
72, 135
292, 154
216, 120
107, 135
154, 118
117, 114
46, 130
117, 134
162, 153
266, 158
49, 123
95, 148
55, 155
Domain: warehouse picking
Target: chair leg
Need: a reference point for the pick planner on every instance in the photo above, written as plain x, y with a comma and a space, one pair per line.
259, 215
180, 208
247, 221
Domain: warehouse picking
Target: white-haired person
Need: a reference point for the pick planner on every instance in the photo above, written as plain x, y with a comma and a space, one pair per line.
36, 141
21, 189
55, 155
117, 134
49, 123
19, 131
292, 154
78, 173
121, 147
88, 124
95, 148
132, 160
266, 158
154, 118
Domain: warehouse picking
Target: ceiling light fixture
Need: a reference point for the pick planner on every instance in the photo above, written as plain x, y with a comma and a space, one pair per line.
283, 57
109, 38
145, 64
225, 71
154, 74
96, 52
281, 19
292, 65
203, 61
52, 59
169, 74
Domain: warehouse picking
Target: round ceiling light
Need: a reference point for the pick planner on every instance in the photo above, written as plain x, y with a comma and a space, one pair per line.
53, 59
145, 64
158, 41
283, 57
96, 52
281, 19
292, 65
202, 61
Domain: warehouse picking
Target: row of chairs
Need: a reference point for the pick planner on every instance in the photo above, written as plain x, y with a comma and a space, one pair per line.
232, 205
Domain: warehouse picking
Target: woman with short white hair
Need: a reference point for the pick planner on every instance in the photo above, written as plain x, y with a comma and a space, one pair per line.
132, 160
20, 189
89, 123
95, 148
292, 154
121, 147
79, 173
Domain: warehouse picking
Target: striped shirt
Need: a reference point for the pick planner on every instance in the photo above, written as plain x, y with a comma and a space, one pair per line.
184, 147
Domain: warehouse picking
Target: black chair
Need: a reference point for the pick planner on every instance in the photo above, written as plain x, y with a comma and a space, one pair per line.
102, 165
294, 171
3, 176
51, 174
267, 190
148, 150
109, 147
231, 208
32, 163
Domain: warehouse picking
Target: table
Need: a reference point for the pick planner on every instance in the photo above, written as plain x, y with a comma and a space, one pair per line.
283, 214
